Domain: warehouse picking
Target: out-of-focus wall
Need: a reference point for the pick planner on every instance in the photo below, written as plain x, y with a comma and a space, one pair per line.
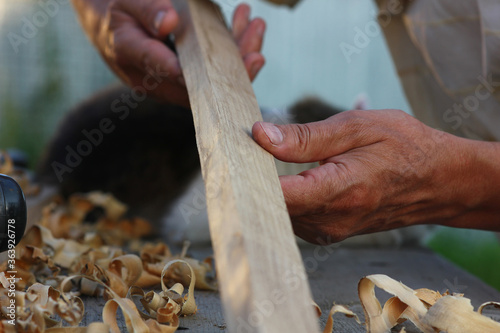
47, 65
304, 54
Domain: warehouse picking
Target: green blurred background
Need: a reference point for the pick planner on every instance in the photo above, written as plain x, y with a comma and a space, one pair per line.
54, 68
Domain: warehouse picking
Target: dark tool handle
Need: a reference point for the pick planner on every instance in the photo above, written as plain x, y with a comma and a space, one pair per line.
12, 213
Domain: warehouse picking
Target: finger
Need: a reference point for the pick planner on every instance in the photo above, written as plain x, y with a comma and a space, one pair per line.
134, 48
154, 85
254, 63
157, 17
309, 233
240, 20
252, 37
307, 192
312, 142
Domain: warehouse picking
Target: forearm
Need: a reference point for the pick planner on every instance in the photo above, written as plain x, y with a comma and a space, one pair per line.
479, 188
91, 14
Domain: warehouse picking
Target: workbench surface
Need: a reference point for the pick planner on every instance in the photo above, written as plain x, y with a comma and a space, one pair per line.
334, 273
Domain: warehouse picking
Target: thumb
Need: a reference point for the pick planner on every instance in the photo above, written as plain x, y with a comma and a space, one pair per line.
299, 143
317, 141
158, 17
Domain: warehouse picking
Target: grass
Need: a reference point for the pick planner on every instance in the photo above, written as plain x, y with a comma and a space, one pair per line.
25, 123
478, 252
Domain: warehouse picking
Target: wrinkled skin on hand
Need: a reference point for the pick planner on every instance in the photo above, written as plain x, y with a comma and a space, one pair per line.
379, 170
130, 36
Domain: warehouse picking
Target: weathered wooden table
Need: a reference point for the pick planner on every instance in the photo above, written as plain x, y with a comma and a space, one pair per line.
334, 273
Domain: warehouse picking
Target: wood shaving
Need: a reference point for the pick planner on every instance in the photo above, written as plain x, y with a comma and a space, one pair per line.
21, 176
429, 310
338, 309
65, 256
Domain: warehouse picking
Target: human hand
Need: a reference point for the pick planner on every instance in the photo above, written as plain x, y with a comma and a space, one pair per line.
131, 36
380, 170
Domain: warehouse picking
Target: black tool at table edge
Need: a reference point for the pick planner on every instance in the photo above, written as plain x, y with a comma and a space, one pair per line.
12, 212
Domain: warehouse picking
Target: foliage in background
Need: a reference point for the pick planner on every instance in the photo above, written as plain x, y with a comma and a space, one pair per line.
45, 76
476, 251
24, 123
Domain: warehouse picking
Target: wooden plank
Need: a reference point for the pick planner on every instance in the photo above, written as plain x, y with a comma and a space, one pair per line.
261, 276
334, 274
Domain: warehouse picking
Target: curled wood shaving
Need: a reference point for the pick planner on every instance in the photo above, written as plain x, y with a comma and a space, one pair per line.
36, 306
455, 314
6, 165
155, 257
19, 175
338, 309
189, 306
166, 307
106, 227
114, 208
484, 305
83, 259
133, 320
429, 310
164, 310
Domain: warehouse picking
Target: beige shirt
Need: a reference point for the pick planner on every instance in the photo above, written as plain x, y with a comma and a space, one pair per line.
447, 55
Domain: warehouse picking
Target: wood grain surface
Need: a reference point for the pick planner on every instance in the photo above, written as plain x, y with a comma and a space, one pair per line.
261, 276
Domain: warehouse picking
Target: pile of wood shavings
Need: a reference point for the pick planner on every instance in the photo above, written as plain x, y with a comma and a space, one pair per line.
64, 257
21, 176
430, 311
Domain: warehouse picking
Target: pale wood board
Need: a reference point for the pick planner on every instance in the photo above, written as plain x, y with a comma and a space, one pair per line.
258, 262
334, 278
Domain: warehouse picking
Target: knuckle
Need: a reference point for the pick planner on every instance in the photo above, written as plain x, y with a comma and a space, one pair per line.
333, 235
147, 11
302, 133
115, 51
400, 113
114, 15
355, 118
113, 5
145, 55
353, 122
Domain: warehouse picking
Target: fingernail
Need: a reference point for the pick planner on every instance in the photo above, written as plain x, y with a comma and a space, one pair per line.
158, 20
273, 133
